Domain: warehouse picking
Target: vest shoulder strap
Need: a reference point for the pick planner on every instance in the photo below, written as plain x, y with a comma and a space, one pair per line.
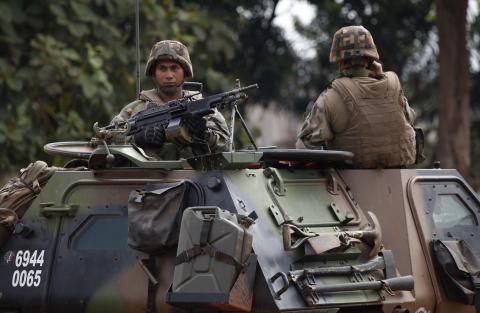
393, 83
347, 89
346, 86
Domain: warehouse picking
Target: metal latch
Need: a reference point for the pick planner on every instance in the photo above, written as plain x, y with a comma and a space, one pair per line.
48, 209
332, 186
340, 214
277, 214
279, 184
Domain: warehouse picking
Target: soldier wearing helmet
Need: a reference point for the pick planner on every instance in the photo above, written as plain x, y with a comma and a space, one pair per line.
364, 110
169, 65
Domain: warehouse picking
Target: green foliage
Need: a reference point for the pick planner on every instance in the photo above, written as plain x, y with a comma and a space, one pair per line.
66, 64
56, 72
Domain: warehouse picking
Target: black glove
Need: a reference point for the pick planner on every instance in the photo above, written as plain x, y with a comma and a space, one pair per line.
196, 125
150, 137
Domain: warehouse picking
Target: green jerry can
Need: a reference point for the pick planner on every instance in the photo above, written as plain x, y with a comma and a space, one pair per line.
215, 266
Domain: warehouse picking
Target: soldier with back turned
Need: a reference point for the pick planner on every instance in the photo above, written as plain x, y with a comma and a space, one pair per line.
364, 110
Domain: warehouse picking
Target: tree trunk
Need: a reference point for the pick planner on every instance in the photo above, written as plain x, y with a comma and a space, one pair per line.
453, 147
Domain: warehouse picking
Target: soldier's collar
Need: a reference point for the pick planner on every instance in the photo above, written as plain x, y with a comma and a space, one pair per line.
149, 95
356, 72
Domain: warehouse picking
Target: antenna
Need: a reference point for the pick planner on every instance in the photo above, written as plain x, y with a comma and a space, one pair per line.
137, 43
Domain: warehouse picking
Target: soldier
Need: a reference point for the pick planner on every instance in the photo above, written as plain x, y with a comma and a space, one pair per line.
169, 65
364, 110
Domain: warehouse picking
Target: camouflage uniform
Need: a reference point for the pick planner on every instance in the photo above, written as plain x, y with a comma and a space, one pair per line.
217, 133
366, 115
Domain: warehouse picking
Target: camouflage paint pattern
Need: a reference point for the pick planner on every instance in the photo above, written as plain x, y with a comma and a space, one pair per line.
79, 221
352, 41
169, 50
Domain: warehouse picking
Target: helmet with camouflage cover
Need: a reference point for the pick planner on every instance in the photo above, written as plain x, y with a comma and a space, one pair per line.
169, 50
352, 41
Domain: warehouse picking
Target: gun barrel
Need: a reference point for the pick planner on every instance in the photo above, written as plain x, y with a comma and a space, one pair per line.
229, 96
253, 86
241, 89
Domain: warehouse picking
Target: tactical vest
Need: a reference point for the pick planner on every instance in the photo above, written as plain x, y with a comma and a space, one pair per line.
377, 133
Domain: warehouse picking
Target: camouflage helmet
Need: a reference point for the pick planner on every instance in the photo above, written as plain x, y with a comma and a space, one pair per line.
352, 41
169, 50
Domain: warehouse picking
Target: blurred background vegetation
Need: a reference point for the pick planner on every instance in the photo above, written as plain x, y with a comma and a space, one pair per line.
65, 64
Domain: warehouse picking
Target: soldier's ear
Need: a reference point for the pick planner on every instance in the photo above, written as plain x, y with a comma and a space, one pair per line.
183, 73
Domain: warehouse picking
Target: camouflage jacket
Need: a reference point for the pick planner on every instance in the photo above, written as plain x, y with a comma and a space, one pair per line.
218, 133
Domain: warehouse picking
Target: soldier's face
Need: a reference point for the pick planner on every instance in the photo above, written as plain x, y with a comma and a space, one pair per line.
169, 75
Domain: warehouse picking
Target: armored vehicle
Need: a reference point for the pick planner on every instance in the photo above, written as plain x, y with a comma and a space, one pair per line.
272, 230
325, 238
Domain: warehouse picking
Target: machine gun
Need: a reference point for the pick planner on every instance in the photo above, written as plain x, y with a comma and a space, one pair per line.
169, 115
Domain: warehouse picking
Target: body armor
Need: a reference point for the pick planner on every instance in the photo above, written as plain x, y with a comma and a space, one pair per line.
378, 132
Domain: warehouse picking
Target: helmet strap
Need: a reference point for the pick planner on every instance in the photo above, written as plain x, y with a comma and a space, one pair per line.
169, 90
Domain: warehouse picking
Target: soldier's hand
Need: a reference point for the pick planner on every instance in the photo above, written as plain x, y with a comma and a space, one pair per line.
196, 126
150, 137
377, 68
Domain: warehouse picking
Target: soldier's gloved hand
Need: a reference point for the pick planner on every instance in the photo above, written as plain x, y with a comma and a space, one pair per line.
196, 126
150, 137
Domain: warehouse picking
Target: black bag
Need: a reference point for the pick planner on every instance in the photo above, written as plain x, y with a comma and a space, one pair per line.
155, 213
459, 270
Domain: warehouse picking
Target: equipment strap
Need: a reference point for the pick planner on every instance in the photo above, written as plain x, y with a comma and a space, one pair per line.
390, 268
219, 256
188, 254
205, 248
35, 188
205, 232
152, 288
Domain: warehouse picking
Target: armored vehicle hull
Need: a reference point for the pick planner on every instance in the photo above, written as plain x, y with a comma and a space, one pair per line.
325, 238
